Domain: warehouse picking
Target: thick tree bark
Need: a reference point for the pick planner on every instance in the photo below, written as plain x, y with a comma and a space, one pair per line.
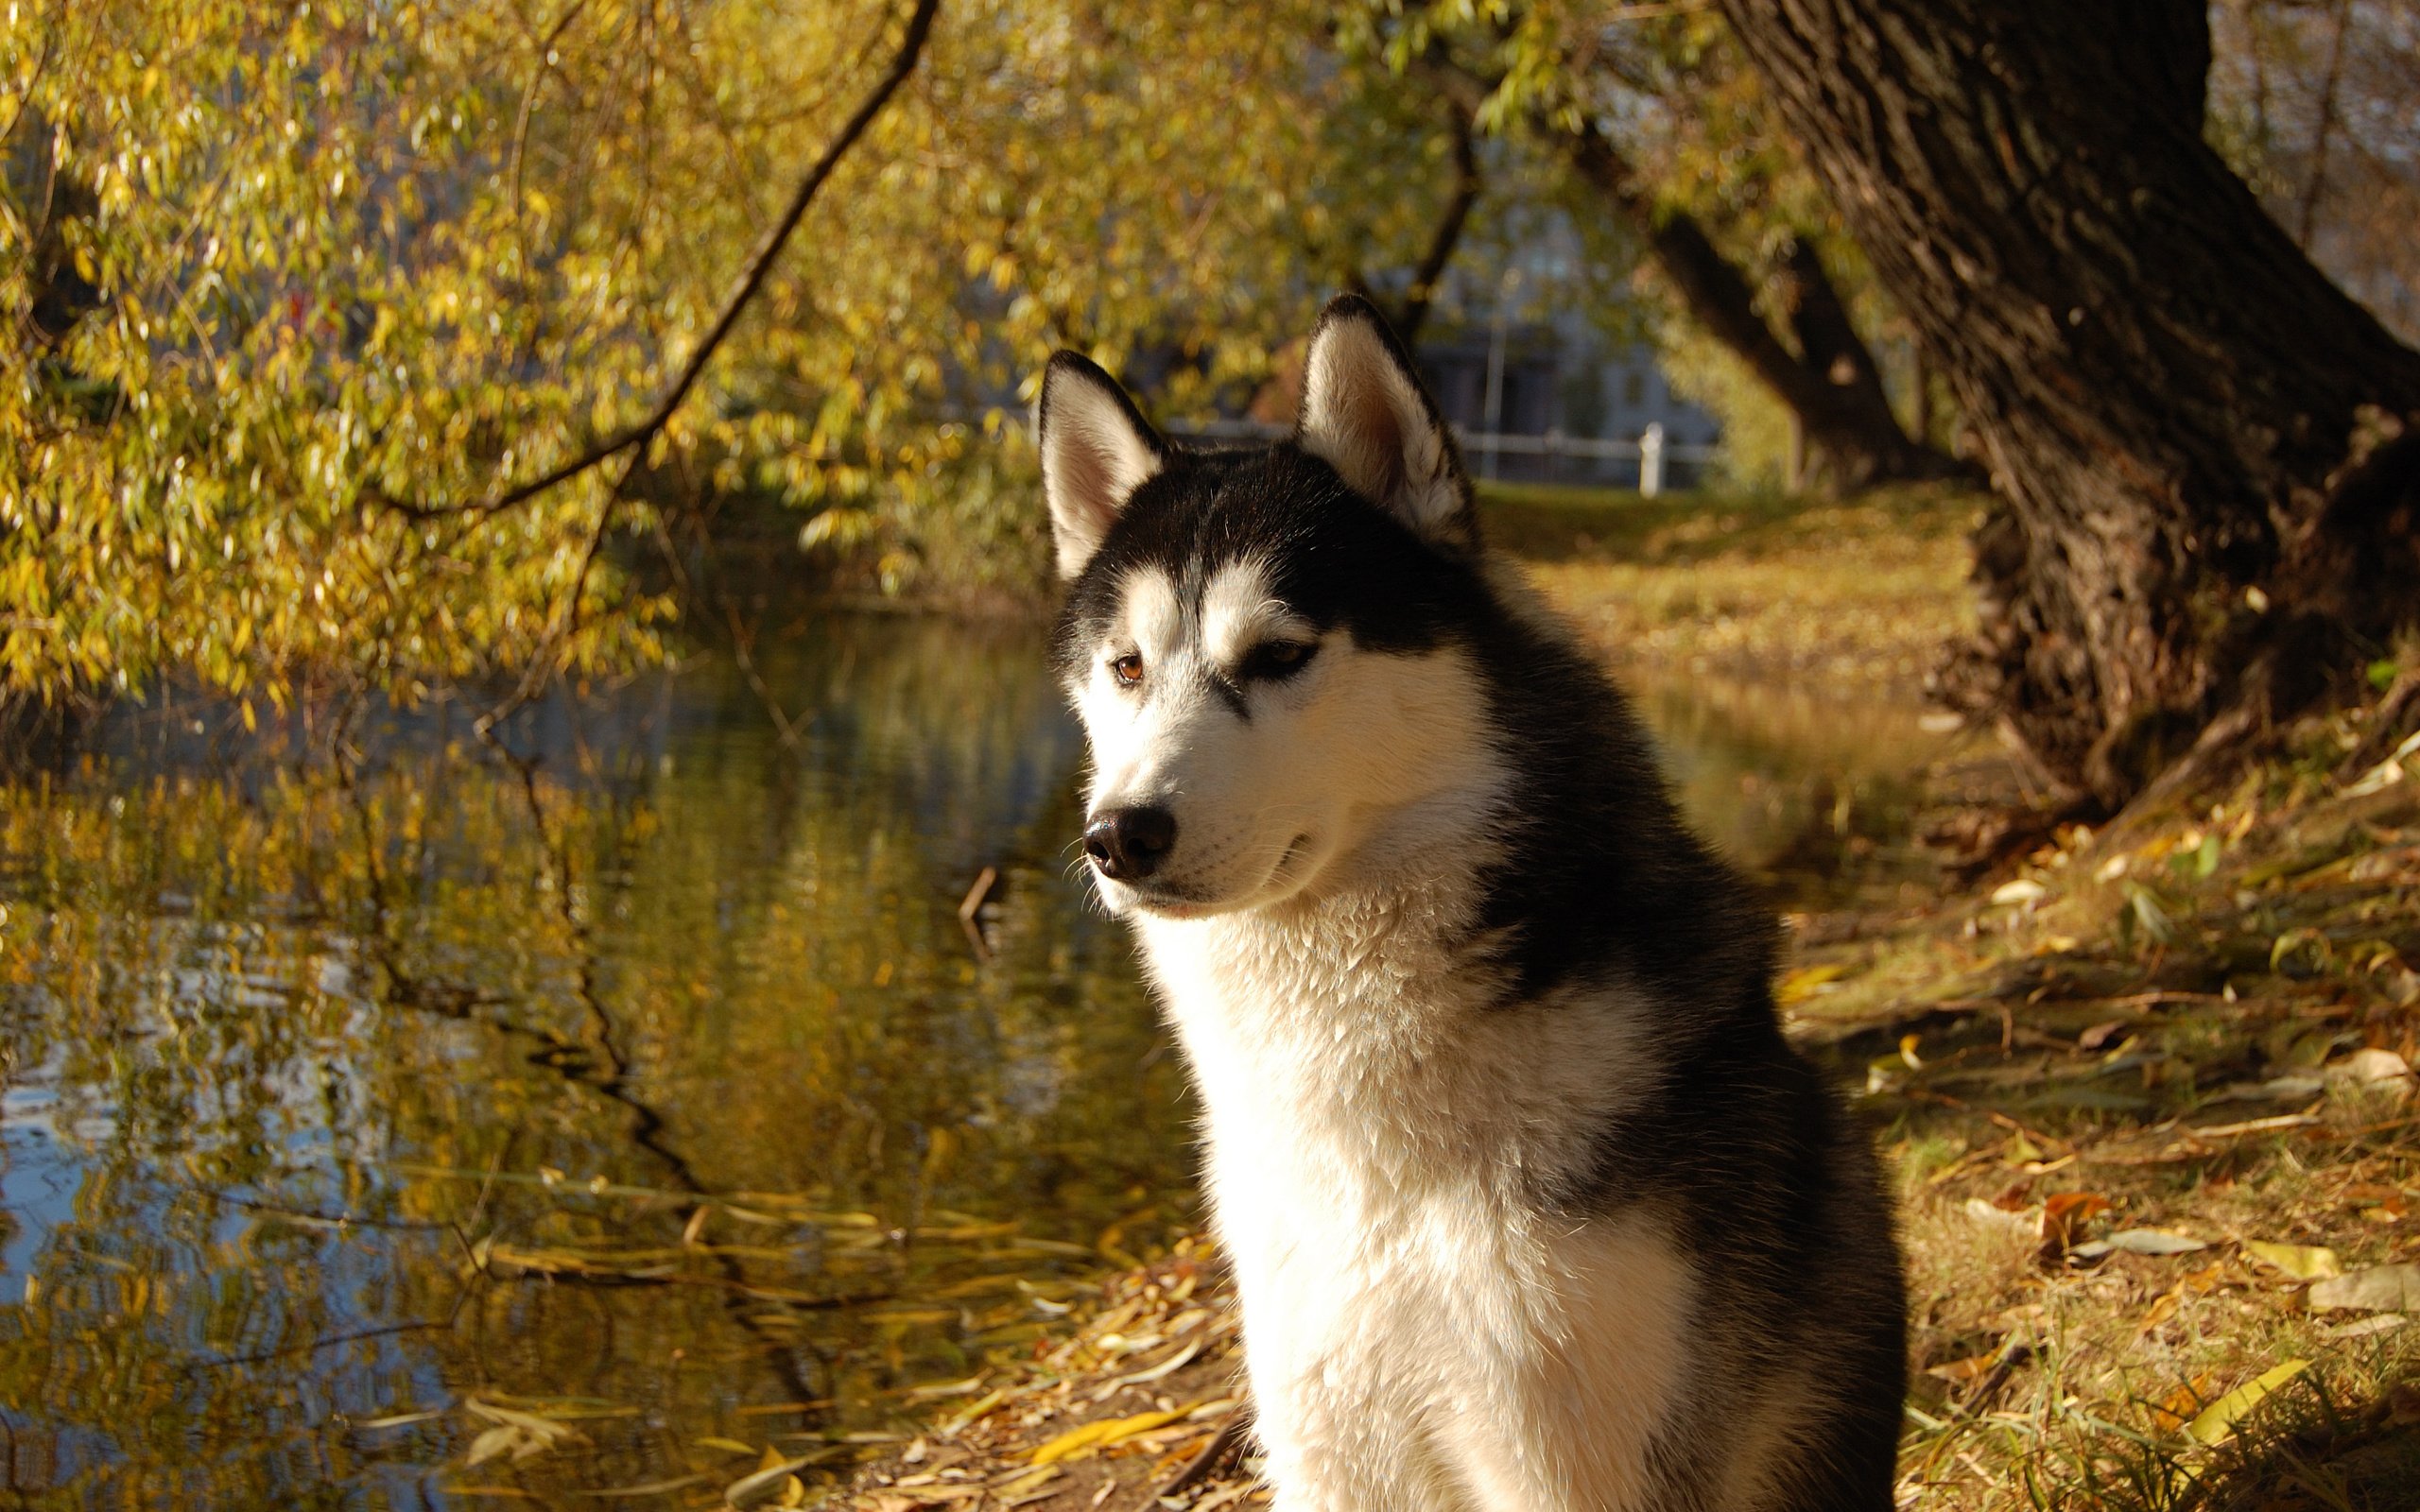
2206, 453
1830, 382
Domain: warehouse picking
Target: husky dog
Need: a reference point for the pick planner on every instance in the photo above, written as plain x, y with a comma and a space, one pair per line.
1530, 1206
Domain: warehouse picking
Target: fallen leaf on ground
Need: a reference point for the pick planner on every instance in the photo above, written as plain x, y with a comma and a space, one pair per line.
2098, 1035
1029, 1480
2162, 1309
2393, 1202
2218, 1421
2062, 1215
2304, 1263
765, 1484
2140, 1242
2371, 1074
1972, 1368
2185, 1402
2378, 1289
1797, 987
1103, 1433
2375, 1324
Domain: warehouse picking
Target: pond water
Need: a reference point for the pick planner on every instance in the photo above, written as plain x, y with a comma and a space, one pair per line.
445, 1128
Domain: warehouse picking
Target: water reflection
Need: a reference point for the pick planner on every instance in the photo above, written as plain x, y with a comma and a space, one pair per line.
442, 1126
650, 1091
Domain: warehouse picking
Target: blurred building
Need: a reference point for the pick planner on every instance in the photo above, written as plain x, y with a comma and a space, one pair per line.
1563, 390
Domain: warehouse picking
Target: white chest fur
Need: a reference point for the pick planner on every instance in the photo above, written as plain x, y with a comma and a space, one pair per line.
1420, 1334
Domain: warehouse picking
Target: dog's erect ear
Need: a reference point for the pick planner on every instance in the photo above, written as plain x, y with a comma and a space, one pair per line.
1366, 413
1097, 450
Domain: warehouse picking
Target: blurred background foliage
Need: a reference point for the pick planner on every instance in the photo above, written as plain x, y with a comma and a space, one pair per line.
291, 290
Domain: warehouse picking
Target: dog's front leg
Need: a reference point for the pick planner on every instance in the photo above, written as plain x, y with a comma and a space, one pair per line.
1332, 1441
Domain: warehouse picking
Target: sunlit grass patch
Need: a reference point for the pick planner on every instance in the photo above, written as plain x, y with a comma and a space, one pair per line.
1862, 590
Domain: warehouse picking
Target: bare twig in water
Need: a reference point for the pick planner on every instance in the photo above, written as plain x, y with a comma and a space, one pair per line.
970, 911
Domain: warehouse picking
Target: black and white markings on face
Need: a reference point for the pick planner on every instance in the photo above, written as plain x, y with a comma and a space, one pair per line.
1264, 664
1247, 560
1231, 639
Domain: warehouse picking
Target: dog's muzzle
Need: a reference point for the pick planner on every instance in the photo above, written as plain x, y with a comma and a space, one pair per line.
1128, 845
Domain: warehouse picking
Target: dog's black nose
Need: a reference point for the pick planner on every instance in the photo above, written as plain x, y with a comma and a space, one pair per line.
1128, 844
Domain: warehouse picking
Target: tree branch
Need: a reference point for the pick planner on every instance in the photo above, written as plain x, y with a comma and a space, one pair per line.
1418, 299
903, 63
1828, 341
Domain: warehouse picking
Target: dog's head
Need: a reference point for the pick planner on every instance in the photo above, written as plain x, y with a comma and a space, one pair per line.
1268, 646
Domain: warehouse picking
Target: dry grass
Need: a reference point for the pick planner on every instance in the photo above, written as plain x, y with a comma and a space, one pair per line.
2159, 1029
1860, 591
1136, 1391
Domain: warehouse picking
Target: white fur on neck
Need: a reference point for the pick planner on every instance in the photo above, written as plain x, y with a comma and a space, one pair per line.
1424, 1335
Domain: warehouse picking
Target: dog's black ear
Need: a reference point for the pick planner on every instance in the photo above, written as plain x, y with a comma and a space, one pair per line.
1366, 412
1097, 450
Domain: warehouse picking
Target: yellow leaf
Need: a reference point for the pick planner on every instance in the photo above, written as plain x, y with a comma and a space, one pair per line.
729, 1446
2304, 1263
1104, 1433
1028, 1482
2219, 1420
2161, 1310
1806, 981
975, 1409
492, 1442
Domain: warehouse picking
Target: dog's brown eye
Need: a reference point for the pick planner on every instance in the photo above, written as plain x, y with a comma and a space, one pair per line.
1272, 660
1127, 669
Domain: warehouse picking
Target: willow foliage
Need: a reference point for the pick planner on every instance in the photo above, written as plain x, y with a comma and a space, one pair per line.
291, 285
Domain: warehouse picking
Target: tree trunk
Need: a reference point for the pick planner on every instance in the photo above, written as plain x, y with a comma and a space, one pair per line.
1831, 383
2206, 451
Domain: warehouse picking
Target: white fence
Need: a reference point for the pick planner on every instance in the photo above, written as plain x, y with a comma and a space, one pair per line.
1652, 452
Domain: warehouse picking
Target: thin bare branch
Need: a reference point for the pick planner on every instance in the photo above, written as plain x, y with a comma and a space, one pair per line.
1468, 184
903, 63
